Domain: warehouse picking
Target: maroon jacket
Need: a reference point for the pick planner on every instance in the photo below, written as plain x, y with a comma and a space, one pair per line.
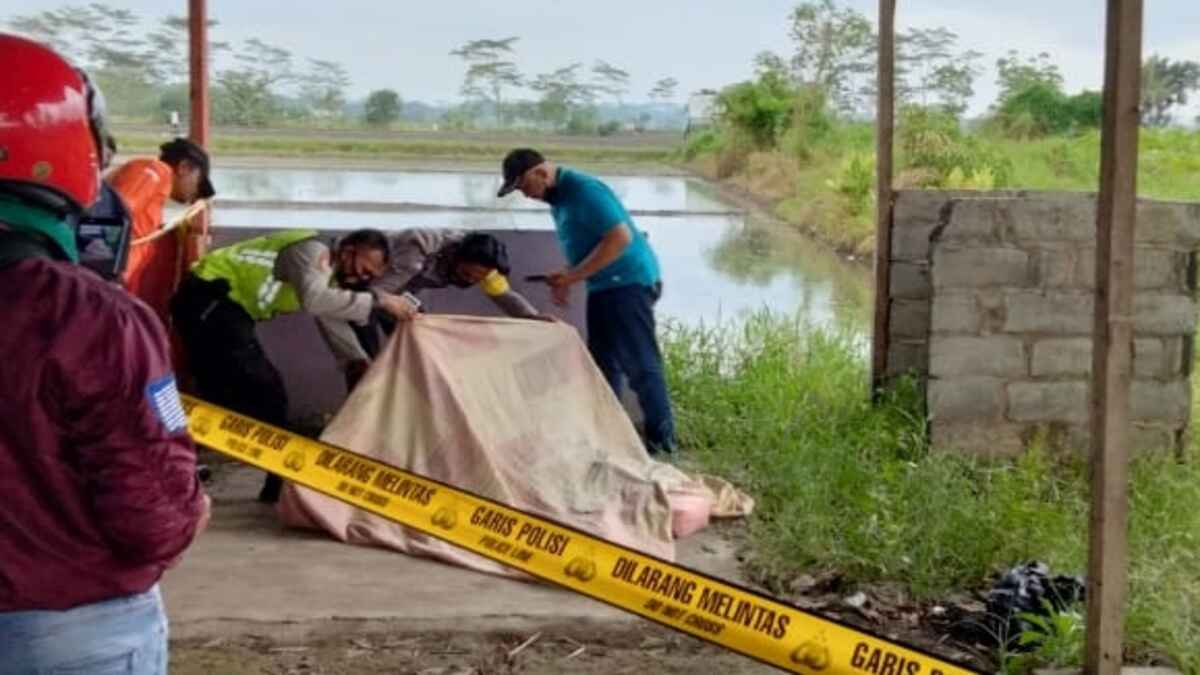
98, 488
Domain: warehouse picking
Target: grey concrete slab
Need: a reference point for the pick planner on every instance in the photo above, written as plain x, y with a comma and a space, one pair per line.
247, 574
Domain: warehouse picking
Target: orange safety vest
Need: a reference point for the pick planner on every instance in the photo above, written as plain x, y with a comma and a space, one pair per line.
153, 269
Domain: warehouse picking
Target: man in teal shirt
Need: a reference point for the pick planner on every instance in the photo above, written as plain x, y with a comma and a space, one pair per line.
605, 250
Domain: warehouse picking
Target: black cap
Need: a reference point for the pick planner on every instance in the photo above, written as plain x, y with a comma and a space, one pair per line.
516, 163
484, 249
182, 148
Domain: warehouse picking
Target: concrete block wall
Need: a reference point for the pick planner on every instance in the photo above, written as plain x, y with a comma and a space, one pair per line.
991, 305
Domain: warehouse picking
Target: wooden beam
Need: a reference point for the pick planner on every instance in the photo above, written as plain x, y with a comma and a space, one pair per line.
197, 240
1112, 352
198, 64
884, 132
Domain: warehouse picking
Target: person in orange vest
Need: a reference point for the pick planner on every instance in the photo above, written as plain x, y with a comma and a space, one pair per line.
155, 265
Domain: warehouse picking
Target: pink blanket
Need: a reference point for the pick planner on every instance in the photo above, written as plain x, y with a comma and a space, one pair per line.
515, 411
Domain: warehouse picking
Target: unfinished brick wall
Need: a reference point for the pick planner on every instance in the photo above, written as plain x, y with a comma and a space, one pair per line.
992, 301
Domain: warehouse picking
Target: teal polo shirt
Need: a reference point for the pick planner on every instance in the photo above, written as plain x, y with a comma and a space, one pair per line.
584, 210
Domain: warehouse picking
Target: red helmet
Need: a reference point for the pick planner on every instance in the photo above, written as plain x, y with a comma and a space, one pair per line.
53, 141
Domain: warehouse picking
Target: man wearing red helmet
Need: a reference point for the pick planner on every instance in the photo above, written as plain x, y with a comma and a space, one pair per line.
97, 472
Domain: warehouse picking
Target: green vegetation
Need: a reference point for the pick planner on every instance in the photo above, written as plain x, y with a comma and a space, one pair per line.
1055, 641
817, 171
793, 135
843, 485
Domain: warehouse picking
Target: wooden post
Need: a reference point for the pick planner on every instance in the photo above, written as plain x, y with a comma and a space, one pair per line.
198, 63
197, 241
1113, 338
884, 132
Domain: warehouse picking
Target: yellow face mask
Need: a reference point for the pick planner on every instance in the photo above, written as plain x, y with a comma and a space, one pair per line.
494, 284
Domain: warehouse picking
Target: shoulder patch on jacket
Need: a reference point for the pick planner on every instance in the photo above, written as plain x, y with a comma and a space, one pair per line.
163, 397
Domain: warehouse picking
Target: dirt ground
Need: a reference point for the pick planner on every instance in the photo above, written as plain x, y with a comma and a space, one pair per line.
421, 641
643, 651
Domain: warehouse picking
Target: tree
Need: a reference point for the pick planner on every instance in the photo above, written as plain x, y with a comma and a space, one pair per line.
1165, 85
57, 28
759, 109
383, 107
664, 90
325, 86
489, 73
954, 82
169, 43
105, 42
248, 94
768, 62
1032, 102
611, 80
835, 46
1014, 75
562, 94
930, 68
118, 58
1041, 109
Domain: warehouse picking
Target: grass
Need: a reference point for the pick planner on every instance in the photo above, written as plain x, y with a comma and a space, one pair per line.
1169, 163
847, 486
451, 148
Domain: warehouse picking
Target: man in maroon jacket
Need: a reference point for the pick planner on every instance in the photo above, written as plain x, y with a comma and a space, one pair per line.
98, 488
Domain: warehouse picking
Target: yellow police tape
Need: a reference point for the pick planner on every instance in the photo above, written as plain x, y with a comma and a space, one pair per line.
674, 596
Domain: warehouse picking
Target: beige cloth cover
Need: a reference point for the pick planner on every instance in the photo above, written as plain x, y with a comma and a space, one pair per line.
516, 411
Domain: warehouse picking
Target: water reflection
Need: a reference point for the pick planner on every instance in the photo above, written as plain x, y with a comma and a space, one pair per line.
662, 193
715, 267
757, 253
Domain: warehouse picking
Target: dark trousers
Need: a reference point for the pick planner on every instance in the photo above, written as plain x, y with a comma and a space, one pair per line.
622, 339
369, 335
225, 357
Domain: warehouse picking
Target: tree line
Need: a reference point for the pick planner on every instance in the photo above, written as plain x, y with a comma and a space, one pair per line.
835, 56
143, 71
566, 96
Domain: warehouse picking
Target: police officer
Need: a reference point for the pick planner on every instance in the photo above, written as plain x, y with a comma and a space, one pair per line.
232, 288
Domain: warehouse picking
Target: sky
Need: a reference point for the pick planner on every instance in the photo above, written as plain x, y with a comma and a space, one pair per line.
405, 45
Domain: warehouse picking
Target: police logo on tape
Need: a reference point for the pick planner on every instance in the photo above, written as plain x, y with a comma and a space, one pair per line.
445, 518
812, 654
581, 568
294, 461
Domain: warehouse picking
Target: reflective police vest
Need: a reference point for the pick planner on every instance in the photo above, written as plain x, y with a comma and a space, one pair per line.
249, 267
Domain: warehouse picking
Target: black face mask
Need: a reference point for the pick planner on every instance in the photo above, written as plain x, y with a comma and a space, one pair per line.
446, 266
103, 233
343, 281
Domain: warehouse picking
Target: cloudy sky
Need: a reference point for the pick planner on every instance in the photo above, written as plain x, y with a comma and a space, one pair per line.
703, 43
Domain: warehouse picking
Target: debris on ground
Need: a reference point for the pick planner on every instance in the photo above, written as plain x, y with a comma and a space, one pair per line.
1002, 618
595, 650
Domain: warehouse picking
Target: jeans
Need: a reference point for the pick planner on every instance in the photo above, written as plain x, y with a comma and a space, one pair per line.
622, 339
122, 636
